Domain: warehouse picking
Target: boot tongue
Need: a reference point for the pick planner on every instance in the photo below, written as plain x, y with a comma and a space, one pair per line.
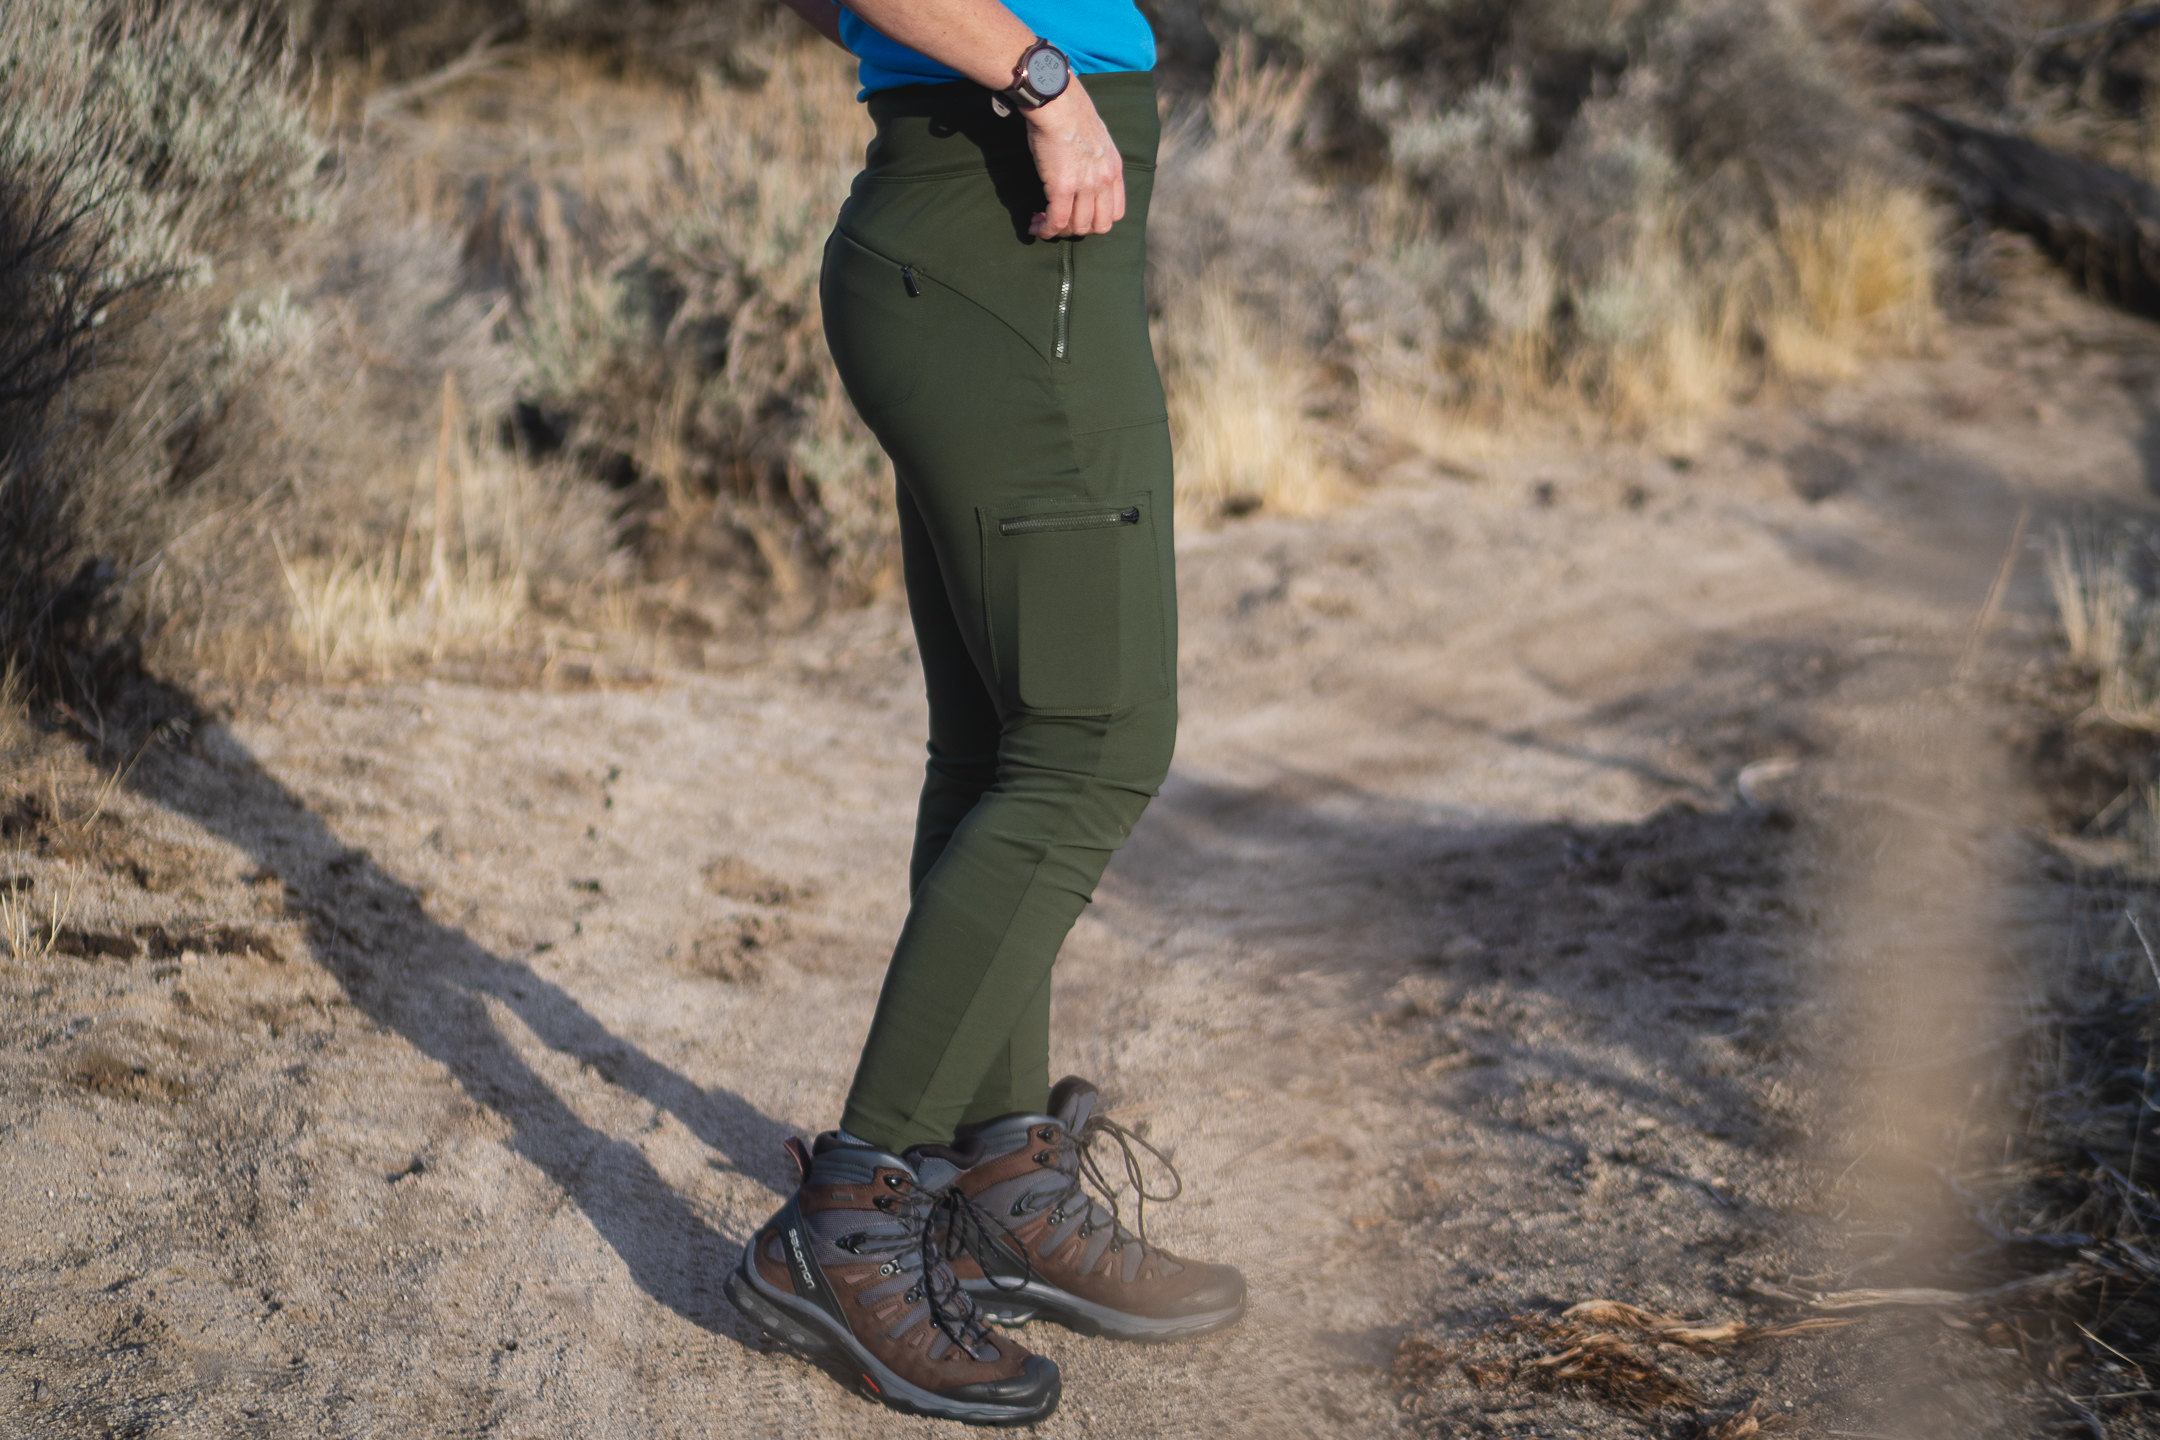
936, 1166
1072, 1100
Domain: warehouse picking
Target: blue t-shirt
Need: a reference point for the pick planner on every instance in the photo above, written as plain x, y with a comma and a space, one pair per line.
1096, 35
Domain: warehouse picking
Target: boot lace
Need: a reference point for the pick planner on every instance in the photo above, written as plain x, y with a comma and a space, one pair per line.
1088, 1171
932, 1221
1101, 1127
971, 1230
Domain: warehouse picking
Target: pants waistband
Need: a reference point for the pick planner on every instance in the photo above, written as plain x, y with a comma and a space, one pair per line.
932, 132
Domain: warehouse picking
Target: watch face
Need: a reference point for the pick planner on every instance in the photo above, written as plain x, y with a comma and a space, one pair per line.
1046, 73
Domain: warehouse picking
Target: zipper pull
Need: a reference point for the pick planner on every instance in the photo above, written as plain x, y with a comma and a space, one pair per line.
907, 278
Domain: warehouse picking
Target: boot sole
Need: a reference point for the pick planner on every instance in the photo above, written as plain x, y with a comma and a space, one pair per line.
808, 1330
1035, 1300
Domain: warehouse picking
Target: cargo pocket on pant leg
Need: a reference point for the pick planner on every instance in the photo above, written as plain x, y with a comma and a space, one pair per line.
1074, 600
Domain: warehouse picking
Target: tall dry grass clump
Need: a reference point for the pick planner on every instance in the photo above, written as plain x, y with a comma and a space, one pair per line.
1242, 238
2110, 624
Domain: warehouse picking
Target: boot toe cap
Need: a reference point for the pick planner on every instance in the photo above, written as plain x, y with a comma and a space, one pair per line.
1222, 1289
1035, 1388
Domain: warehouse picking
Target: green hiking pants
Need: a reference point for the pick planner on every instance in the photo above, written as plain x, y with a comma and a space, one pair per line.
1012, 383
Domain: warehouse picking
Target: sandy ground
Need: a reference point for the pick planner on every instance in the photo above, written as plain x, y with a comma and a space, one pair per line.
452, 1034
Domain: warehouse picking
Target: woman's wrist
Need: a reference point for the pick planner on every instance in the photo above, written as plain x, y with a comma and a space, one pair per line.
1059, 108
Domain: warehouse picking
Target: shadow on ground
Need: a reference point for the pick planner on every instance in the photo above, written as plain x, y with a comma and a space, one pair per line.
432, 984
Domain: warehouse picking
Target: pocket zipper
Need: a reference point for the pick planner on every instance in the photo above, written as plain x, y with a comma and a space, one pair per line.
1086, 520
1064, 308
907, 278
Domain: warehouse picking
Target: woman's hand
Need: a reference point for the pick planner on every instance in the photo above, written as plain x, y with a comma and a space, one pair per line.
1082, 173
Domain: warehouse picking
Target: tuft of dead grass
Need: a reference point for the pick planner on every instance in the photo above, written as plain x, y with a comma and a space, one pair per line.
455, 581
1604, 1349
2110, 626
14, 714
1858, 278
1239, 417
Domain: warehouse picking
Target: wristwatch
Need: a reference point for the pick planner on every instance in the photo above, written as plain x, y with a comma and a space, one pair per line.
1040, 77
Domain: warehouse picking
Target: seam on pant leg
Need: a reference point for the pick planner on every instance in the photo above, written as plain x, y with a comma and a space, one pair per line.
1150, 423
946, 1057
1008, 1058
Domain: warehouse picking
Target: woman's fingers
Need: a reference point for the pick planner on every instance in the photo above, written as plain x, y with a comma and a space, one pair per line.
1083, 210
1082, 173
1083, 214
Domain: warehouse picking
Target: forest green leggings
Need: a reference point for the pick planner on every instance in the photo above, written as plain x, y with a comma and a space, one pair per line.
1012, 383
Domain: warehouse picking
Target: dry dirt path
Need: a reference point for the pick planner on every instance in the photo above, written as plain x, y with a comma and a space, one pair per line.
1448, 963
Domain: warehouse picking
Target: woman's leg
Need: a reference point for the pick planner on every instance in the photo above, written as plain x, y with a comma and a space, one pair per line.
990, 916
962, 768
1070, 602
963, 717
1018, 1080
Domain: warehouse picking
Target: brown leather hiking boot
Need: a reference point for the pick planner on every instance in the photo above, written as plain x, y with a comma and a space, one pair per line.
1067, 1257
852, 1271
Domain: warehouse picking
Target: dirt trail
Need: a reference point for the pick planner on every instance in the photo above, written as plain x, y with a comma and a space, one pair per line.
1449, 961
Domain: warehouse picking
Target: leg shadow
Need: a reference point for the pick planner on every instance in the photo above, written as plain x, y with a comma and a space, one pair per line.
432, 984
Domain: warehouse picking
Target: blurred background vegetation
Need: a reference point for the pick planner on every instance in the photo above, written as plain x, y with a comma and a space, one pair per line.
347, 335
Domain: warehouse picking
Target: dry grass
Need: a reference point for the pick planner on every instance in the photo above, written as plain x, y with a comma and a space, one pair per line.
2110, 626
1238, 418
661, 251
1607, 1350
454, 581
1653, 338
33, 928
1858, 278
14, 714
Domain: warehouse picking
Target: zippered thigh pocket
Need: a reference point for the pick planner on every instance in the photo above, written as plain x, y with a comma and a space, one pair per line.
877, 314
1074, 597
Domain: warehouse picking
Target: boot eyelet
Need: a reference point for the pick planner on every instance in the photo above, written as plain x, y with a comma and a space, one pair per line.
884, 1202
1057, 1216
1042, 1157
1019, 1208
1046, 1134
893, 1181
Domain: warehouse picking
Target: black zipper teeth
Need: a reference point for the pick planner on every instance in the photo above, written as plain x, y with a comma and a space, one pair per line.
1064, 311
1090, 520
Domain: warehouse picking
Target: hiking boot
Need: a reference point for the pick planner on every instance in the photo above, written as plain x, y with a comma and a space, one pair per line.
1067, 1257
852, 1271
